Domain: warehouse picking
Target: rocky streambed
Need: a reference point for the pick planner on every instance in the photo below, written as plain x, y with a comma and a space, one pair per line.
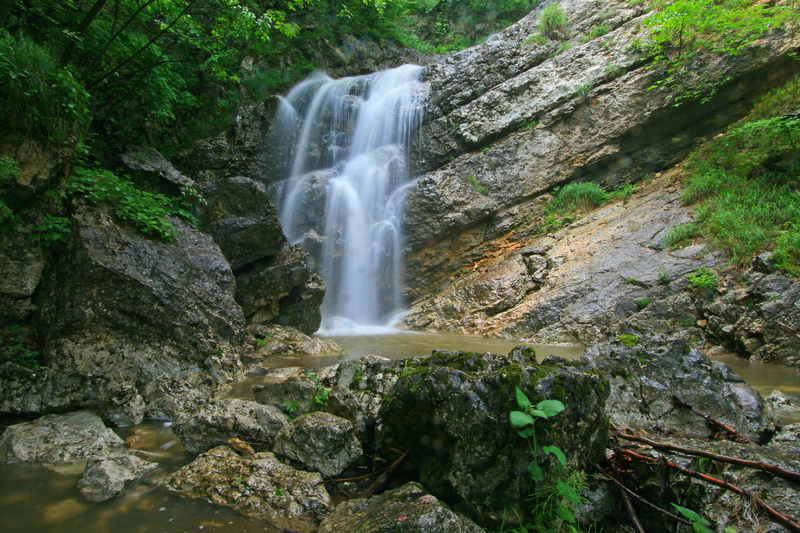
297, 456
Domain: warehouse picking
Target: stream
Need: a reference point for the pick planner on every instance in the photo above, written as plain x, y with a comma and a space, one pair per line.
40, 498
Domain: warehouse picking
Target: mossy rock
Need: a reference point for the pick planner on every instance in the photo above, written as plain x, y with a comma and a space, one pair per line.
451, 411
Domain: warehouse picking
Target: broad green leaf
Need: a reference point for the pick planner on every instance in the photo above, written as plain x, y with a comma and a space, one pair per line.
536, 471
555, 450
527, 432
519, 419
537, 413
565, 514
550, 407
522, 400
568, 491
688, 513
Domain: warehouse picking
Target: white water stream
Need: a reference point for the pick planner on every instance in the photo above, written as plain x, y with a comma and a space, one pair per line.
348, 144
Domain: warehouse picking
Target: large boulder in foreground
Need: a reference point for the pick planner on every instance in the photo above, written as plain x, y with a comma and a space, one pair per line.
451, 410
654, 380
58, 439
118, 302
407, 508
258, 485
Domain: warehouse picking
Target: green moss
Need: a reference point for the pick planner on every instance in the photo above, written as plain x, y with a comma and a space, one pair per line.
628, 340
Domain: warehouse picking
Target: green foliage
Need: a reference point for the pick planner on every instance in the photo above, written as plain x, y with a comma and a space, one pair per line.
628, 340
745, 184
478, 186
39, 99
147, 211
321, 393
562, 47
583, 91
685, 32
583, 196
290, 408
261, 340
598, 31
553, 22
631, 281
555, 499
703, 278
681, 235
641, 303
699, 524
663, 276
18, 346
52, 229
536, 38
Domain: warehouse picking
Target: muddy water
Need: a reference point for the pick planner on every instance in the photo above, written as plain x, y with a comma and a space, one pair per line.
38, 499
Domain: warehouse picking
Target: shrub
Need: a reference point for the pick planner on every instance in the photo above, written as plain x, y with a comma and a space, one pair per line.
628, 340
9, 170
703, 278
580, 197
39, 98
553, 21
641, 303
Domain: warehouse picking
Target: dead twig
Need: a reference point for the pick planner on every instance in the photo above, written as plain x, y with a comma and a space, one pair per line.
785, 521
733, 434
378, 483
759, 465
645, 501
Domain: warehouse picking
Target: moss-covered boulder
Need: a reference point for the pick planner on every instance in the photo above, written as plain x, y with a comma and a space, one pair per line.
451, 410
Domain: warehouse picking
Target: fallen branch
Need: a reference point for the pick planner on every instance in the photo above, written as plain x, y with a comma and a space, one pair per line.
645, 501
733, 434
632, 513
786, 521
378, 483
759, 465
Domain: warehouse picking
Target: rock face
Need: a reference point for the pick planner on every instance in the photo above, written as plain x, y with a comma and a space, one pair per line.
142, 307
451, 411
652, 380
519, 120
20, 272
295, 394
216, 422
104, 479
761, 319
321, 442
258, 485
407, 508
58, 439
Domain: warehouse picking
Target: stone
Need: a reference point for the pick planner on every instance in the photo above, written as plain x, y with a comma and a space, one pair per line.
116, 302
169, 396
270, 340
153, 172
406, 508
650, 381
58, 439
105, 478
294, 395
216, 422
451, 410
320, 442
20, 272
258, 485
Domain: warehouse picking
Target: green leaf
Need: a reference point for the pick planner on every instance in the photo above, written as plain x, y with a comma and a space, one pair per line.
568, 491
536, 471
565, 514
527, 432
688, 513
550, 407
522, 400
555, 450
519, 419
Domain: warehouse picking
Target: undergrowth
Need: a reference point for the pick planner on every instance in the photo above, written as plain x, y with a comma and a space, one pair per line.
746, 183
577, 198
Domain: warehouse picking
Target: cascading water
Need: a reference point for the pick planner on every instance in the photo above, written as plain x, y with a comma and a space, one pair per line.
347, 143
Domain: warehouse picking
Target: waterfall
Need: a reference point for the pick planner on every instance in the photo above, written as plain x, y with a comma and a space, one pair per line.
346, 143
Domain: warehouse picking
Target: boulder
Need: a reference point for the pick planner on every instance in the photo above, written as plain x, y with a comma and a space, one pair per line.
320, 442
257, 485
654, 380
269, 340
20, 272
215, 422
406, 508
295, 395
451, 410
58, 439
105, 478
153, 172
169, 396
118, 303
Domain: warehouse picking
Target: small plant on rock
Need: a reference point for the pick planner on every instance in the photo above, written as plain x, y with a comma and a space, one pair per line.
703, 278
628, 339
641, 303
553, 22
553, 500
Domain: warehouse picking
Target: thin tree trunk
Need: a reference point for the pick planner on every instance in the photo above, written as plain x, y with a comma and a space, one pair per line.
69, 51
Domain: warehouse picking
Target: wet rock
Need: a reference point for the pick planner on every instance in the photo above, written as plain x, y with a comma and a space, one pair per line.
257, 485
169, 396
451, 411
320, 442
407, 508
274, 340
105, 478
761, 319
151, 171
118, 303
295, 395
20, 272
58, 439
216, 422
121, 404
650, 380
